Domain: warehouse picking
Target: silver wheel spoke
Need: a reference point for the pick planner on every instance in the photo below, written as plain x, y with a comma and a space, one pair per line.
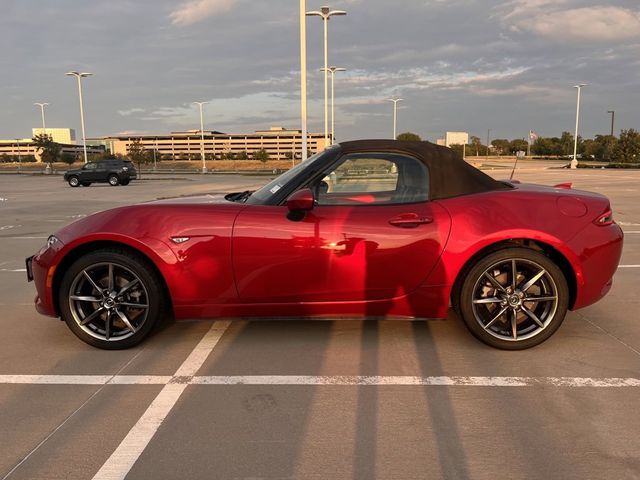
494, 282
81, 298
541, 299
95, 285
514, 274
107, 327
514, 324
128, 286
533, 280
111, 280
487, 300
133, 305
92, 316
532, 316
495, 318
126, 321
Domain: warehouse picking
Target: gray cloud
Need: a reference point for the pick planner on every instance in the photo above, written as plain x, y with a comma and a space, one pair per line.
460, 65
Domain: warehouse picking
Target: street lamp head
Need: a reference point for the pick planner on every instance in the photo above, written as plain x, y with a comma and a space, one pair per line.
78, 74
315, 13
395, 100
41, 104
337, 12
580, 85
339, 69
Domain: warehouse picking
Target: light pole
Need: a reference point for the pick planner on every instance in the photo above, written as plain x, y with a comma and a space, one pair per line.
613, 119
574, 161
326, 13
79, 76
42, 105
303, 79
332, 71
204, 164
488, 134
19, 156
395, 101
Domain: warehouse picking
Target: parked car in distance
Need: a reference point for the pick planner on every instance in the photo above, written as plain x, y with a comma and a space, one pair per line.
364, 229
113, 171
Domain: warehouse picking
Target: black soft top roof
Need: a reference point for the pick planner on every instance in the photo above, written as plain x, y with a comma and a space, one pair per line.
449, 175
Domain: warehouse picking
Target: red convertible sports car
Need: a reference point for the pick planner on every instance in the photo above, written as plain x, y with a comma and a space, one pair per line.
376, 229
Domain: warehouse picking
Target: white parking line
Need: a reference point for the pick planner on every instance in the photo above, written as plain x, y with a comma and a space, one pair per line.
370, 380
122, 459
13, 270
628, 266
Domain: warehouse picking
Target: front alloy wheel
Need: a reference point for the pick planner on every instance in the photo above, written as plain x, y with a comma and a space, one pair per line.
111, 299
114, 181
514, 298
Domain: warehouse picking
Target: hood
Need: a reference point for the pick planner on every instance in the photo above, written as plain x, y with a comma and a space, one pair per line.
195, 199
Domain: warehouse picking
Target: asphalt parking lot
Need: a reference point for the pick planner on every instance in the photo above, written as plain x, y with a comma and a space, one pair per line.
312, 399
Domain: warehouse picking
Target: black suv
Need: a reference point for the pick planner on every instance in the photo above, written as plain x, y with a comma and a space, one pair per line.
113, 170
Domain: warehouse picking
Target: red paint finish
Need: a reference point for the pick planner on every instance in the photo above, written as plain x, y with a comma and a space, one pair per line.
368, 259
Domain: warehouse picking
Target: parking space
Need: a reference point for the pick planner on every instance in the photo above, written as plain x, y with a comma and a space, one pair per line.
311, 399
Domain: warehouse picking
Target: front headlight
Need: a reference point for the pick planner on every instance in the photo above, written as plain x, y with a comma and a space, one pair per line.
52, 240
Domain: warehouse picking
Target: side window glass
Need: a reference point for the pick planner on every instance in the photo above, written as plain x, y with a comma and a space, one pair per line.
374, 178
90, 166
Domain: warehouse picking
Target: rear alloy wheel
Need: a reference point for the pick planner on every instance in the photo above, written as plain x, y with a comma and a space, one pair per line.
514, 298
114, 181
74, 181
111, 299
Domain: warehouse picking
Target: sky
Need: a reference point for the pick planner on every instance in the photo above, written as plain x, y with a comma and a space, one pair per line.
459, 65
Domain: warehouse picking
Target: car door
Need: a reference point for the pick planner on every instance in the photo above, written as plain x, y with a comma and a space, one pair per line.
89, 172
101, 172
373, 235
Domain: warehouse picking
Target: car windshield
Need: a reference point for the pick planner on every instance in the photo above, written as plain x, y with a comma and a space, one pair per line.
263, 195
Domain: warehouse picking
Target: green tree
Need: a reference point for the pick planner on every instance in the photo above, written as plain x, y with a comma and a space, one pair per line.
138, 154
476, 145
261, 155
68, 158
49, 150
409, 137
517, 145
502, 146
627, 149
242, 156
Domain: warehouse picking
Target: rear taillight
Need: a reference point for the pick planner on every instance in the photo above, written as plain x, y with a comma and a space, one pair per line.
605, 219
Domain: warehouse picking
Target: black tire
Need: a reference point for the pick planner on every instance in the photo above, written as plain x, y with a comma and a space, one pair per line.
100, 323
114, 180
86, 184
538, 306
74, 181
125, 182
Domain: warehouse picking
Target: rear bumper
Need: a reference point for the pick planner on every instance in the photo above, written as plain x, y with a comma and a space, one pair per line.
600, 249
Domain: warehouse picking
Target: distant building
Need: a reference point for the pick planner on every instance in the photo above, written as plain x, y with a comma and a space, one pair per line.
454, 138
65, 136
22, 148
280, 143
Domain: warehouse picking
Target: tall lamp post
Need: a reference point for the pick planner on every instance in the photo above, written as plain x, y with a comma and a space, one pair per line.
44, 124
488, 135
79, 76
574, 161
326, 13
332, 71
395, 101
613, 119
19, 156
204, 164
303, 79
